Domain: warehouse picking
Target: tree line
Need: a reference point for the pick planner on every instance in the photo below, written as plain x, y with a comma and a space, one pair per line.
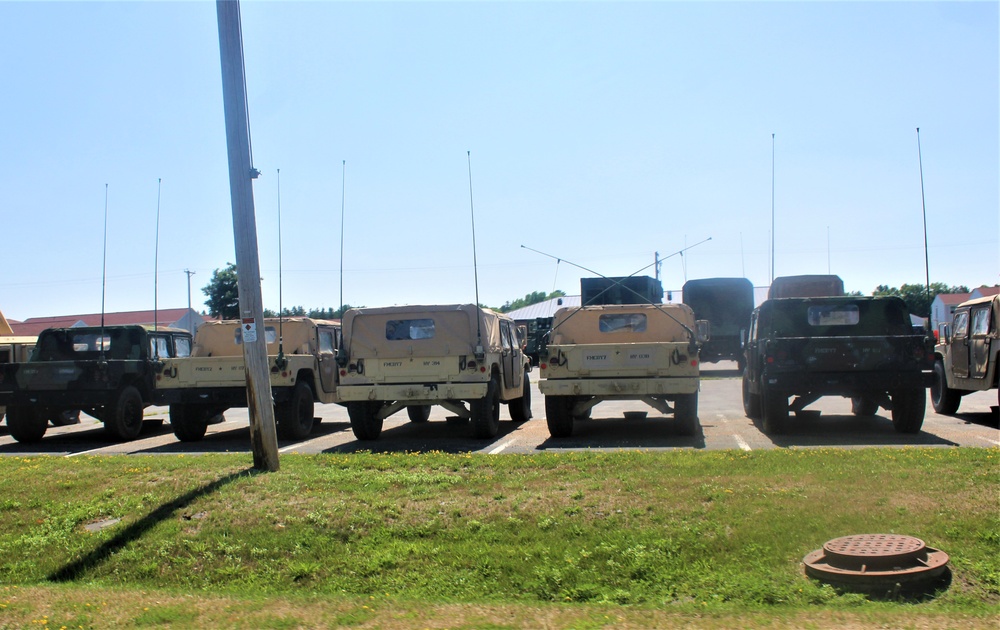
222, 298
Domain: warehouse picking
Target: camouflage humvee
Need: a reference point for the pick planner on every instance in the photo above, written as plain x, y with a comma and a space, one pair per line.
645, 352
414, 357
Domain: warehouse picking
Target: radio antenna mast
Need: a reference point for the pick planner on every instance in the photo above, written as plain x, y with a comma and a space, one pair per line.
475, 266
156, 268
104, 271
343, 203
281, 331
923, 204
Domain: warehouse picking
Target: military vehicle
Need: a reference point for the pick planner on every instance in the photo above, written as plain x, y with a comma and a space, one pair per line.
200, 387
462, 357
967, 354
806, 286
726, 303
108, 372
622, 352
862, 348
620, 290
16, 349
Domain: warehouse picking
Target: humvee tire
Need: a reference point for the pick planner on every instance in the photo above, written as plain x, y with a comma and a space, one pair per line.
25, 424
751, 402
419, 413
908, 408
486, 412
188, 422
944, 399
686, 413
364, 424
520, 408
123, 417
295, 416
861, 406
559, 415
775, 411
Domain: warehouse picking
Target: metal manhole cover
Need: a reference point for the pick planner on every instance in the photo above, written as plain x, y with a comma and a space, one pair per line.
875, 560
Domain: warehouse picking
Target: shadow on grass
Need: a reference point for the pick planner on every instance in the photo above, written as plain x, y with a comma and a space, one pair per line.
133, 532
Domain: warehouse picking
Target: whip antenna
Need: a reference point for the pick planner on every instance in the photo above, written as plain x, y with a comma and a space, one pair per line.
156, 268
281, 332
104, 271
475, 266
343, 201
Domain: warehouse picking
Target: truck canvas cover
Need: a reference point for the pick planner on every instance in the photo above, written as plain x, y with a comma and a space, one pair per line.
225, 338
420, 331
622, 324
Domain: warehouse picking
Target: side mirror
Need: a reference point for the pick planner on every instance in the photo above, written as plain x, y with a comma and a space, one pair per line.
702, 331
944, 333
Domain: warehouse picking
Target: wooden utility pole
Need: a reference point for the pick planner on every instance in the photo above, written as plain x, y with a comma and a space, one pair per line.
263, 437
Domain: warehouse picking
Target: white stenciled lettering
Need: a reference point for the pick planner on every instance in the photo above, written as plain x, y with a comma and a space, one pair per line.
391, 364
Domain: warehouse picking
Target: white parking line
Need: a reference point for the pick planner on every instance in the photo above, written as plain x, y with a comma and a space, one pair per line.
741, 442
502, 446
993, 442
93, 450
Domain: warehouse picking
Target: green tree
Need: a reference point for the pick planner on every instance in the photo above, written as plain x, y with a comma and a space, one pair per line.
532, 298
222, 293
918, 299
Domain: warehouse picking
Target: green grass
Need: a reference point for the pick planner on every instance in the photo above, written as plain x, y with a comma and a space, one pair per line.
581, 540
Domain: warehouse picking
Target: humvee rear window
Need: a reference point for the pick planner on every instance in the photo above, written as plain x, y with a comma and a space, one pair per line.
405, 329
622, 322
183, 346
834, 315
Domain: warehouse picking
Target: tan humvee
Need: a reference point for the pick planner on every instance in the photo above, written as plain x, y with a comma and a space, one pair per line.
967, 356
622, 352
213, 378
419, 356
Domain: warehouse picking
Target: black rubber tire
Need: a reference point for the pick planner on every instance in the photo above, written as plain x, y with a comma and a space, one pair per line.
944, 399
751, 402
188, 422
520, 408
686, 413
25, 424
774, 410
123, 417
419, 414
364, 424
908, 409
486, 412
861, 406
65, 418
559, 415
295, 416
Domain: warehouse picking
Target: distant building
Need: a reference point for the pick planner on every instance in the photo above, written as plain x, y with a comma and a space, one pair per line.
185, 318
983, 292
547, 308
943, 307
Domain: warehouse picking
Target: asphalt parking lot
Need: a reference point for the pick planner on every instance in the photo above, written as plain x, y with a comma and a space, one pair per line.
724, 426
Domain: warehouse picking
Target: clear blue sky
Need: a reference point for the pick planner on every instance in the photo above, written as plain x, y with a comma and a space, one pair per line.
600, 133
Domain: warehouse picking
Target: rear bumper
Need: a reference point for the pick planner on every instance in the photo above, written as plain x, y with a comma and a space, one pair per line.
413, 392
637, 387
846, 383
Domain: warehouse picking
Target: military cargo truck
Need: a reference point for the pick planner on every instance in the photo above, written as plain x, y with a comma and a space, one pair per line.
726, 303
967, 354
806, 286
213, 379
620, 290
463, 358
628, 352
108, 372
861, 348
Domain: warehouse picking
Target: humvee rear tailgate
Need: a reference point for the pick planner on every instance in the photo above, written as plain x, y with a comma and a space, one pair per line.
623, 360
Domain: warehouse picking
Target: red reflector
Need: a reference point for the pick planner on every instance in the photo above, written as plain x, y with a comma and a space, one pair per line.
544, 366
770, 359
343, 372
482, 369
694, 363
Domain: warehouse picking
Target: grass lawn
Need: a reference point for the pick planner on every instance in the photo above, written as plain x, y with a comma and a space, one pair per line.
431, 540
